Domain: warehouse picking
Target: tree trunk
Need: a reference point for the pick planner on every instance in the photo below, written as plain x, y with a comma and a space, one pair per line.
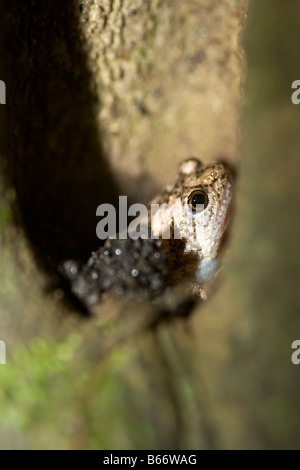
105, 99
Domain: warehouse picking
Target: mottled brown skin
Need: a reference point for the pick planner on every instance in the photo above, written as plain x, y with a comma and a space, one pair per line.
133, 268
201, 230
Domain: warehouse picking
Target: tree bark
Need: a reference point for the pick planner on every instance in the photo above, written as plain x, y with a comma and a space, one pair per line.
105, 99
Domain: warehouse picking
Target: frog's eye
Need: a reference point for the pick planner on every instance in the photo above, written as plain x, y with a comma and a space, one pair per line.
197, 198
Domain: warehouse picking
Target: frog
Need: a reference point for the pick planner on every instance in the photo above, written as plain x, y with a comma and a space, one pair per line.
188, 219
198, 205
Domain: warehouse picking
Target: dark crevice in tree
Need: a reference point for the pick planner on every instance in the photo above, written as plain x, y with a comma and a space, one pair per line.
56, 163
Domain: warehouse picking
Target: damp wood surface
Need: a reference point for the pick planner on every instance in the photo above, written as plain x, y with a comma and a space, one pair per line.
106, 98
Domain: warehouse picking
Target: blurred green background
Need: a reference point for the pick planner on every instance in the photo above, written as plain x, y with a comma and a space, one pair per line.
222, 378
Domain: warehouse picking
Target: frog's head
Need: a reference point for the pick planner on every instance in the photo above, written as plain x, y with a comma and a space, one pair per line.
207, 196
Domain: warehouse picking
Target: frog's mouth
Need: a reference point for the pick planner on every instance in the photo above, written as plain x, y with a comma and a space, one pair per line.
229, 212
226, 227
